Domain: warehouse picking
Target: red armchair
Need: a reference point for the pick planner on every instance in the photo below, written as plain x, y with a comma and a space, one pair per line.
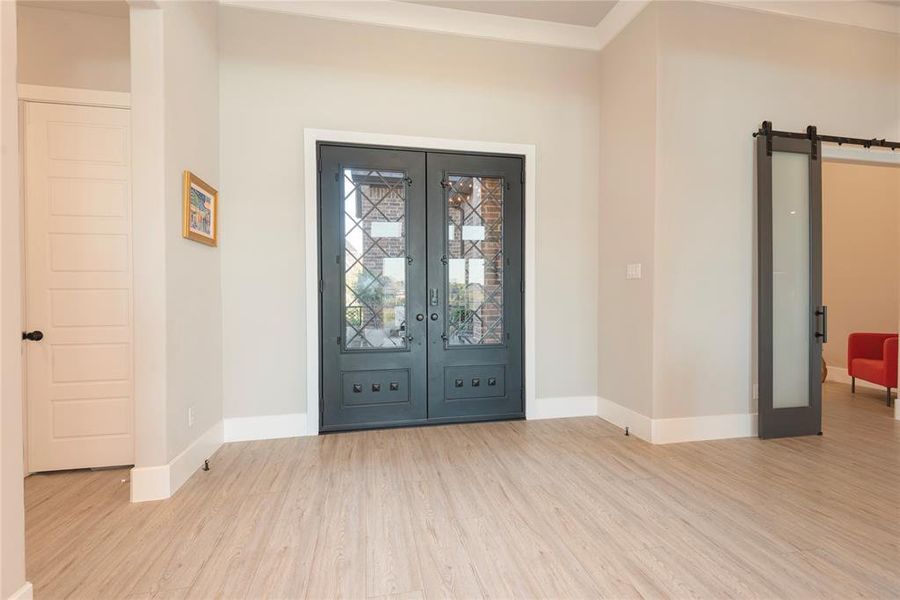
873, 358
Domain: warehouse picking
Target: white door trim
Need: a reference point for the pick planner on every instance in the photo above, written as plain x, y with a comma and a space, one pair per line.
63, 95
873, 156
310, 138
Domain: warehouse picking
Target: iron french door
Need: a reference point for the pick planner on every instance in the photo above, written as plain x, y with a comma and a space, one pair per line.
421, 283
474, 287
792, 320
372, 265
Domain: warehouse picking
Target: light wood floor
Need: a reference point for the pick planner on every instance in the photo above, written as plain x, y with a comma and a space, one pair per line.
561, 509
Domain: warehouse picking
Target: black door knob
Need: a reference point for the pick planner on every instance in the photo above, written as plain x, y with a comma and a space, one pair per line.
420, 317
434, 316
35, 336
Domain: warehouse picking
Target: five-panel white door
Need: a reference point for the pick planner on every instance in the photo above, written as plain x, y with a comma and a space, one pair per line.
78, 272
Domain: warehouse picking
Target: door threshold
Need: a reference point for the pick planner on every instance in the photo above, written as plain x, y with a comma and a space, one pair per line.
421, 423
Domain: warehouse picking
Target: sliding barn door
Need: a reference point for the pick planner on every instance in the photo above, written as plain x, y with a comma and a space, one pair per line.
792, 320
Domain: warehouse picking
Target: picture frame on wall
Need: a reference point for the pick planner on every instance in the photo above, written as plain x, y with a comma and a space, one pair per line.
201, 211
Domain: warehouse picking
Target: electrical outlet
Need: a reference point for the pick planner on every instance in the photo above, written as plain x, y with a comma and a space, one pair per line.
633, 271
191, 416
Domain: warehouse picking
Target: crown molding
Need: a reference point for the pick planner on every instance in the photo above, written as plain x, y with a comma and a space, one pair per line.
406, 15
856, 13
437, 19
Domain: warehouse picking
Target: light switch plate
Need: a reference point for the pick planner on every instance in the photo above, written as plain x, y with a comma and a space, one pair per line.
633, 271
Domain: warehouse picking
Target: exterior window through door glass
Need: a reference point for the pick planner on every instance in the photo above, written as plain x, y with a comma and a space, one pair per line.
474, 260
791, 307
374, 259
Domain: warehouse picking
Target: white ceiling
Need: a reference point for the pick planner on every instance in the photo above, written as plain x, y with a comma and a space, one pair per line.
106, 8
587, 13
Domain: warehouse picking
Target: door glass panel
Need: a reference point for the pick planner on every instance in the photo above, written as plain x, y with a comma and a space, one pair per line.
474, 260
791, 307
374, 259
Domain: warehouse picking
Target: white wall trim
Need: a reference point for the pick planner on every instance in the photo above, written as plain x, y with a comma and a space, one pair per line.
840, 375
310, 138
406, 15
616, 20
877, 156
638, 425
266, 427
567, 406
856, 13
686, 429
695, 429
160, 482
26, 592
150, 483
63, 95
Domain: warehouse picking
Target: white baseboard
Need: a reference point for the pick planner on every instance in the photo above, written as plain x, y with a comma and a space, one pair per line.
191, 458
267, 427
566, 406
150, 483
160, 482
669, 431
620, 416
840, 375
695, 429
26, 592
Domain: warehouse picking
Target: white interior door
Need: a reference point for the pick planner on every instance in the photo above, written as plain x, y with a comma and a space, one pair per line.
78, 286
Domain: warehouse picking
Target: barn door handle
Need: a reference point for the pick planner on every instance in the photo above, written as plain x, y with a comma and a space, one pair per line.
35, 336
822, 311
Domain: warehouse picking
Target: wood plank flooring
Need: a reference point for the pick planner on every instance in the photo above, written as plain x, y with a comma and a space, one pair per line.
566, 508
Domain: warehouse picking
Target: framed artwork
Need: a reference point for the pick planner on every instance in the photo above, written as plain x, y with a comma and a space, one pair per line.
201, 209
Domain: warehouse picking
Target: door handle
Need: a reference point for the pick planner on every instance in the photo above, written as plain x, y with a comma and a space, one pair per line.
420, 317
34, 336
433, 296
434, 316
822, 311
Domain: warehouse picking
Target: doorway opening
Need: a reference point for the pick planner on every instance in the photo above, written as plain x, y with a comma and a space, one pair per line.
861, 283
793, 311
421, 286
75, 158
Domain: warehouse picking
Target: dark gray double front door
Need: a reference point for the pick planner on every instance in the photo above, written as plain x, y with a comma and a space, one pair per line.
421, 285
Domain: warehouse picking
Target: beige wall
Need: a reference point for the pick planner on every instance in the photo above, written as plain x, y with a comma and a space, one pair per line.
722, 71
719, 72
193, 270
73, 49
627, 202
860, 258
149, 240
280, 74
178, 312
12, 512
